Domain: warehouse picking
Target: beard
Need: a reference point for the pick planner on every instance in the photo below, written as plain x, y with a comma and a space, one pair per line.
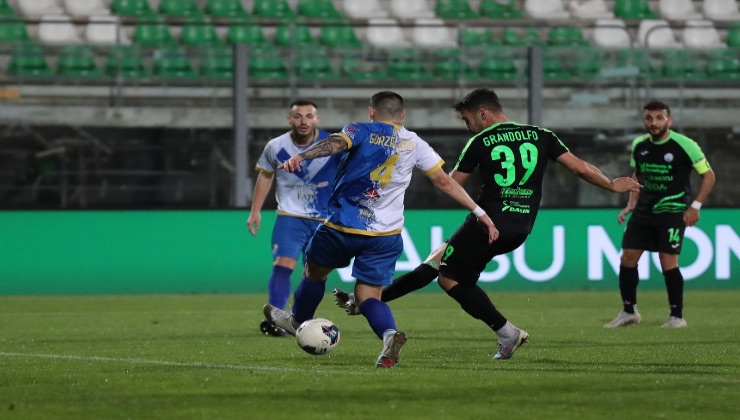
661, 132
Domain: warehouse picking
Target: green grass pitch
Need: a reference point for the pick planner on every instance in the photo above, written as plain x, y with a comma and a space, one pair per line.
202, 356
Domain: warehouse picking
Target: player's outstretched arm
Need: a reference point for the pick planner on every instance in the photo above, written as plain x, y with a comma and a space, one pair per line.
327, 147
593, 175
449, 186
261, 188
631, 202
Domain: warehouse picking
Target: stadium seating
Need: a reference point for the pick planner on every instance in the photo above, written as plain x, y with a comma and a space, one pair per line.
530, 36
132, 8
58, 29
84, 8
319, 9
77, 61
153, 33
126, 62
172, 62
633, 9
454, 9
276, 9
314, 64
498, 63
38, 8
410, 9
364, 9
407, 64
450, 64
267, 64
225, 9
681, 64
179, 8
723, 65
199, 31
14, 32
495, 10
639, 59
701, 35
217, 62
29, 61
590, 9
290, 34
105, 30
6, 10
678, 10
587, 63
611, 33
733, 35
385, 33
432, 33
656, 34
545, 9
339, 33
721, 10
248, 33
563, 36
474, 37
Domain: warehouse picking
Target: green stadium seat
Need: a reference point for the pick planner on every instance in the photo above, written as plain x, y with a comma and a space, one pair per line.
318, 9
291, 34
553, 66
530, 37
126, 61
356, 68
29, 61
566, 36
724, 65
339, 34
137, 8
681, 64
495, 10
449, 64
179, 8
454, 9
6, 10
77, 61
474, 37
248, 33
733, 35
314, 64
225, 9
498, 68
13, 32
217, 62
267, 64
640, 59
153, 32
173, 63
199, 31
587, 63
406, 64
634, 9
277, 9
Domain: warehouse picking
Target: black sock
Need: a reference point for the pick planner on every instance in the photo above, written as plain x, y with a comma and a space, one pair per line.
674, 285
407, 283
477, 304
628, 281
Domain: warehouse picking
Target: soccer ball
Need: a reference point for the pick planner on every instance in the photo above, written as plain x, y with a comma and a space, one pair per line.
317, 336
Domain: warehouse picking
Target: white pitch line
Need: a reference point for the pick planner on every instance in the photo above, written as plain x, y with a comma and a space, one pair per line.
168, 363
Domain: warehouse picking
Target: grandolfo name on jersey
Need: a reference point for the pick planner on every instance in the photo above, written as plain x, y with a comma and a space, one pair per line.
392, 141
519, 135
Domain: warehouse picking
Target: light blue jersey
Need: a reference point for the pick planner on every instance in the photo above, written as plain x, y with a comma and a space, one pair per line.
305, 193
373, 176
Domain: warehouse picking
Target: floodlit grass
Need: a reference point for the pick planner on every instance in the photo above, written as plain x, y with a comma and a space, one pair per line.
202, 356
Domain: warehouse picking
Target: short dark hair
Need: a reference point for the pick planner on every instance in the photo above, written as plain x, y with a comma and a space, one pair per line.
303, 102
387, 103
657, 106
479, 98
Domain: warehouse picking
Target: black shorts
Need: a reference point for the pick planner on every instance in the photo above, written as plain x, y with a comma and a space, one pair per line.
653, 236
468, 251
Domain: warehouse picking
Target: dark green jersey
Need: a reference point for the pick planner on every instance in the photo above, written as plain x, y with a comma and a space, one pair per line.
512, 159
664, 168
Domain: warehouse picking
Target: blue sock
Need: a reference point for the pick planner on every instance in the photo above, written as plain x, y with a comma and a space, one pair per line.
378, 315
308, 296
279, 286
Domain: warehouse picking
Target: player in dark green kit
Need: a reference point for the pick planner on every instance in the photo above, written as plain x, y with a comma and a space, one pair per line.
663, 161
511, 159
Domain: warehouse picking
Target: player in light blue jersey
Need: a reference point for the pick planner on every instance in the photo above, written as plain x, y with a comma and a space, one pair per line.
302, 198
366, 216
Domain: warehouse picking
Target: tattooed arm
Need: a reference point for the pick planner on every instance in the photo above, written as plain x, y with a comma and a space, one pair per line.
327, 147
